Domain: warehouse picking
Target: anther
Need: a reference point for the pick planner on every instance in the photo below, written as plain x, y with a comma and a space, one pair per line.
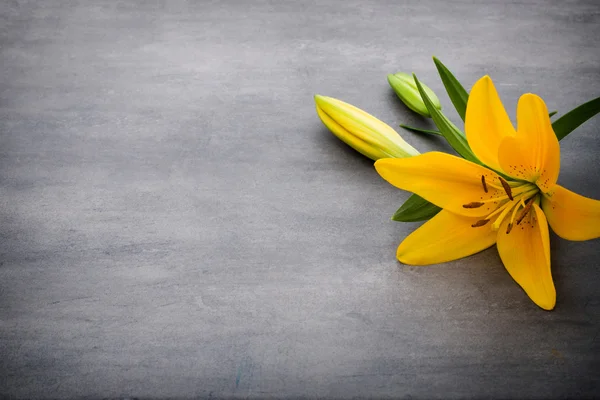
509, 228
479, 223
506, 187
474, 204
483, 183
525, 210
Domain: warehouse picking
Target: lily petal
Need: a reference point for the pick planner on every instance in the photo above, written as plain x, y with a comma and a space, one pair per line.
533, 154
572, 216
525, 252
486, 122
445, 180
445, 237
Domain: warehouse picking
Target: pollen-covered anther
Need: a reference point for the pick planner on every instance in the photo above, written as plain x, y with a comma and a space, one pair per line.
483, 183
474, 204
479, 223
525, 211
509, 228
506, 187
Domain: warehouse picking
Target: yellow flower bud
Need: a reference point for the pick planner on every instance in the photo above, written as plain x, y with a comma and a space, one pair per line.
362, 131
405, 87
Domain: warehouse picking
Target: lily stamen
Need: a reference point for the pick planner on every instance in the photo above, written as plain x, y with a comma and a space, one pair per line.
514, 213
523, 192
509, 228
506, 209
517, 192
506, 187
511, 184
479, 223
525, 210
473, 204
485, 189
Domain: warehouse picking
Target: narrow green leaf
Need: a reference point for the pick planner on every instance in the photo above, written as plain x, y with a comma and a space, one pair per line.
571, 120
457, 93
415, 209
453, 135
419, 130
552, 113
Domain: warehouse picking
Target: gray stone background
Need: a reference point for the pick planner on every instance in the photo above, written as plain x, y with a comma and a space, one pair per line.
176, 221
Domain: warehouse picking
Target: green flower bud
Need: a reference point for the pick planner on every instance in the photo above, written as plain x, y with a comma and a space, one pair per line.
362, 131
405, 87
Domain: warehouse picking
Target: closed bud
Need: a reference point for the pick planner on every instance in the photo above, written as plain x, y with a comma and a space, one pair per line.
405, 87
362, 131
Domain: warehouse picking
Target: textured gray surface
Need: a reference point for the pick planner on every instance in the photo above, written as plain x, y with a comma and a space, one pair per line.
175, 220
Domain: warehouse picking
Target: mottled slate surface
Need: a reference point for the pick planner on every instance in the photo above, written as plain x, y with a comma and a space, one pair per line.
175, 220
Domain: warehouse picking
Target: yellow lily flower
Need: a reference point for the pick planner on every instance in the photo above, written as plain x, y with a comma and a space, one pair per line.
481, 208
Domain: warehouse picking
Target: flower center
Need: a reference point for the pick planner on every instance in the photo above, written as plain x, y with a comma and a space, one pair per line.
516, 201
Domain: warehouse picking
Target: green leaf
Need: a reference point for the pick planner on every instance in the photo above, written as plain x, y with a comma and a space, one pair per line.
419, 130
415, 209
571, 120
454, 136
457, 93
552, 113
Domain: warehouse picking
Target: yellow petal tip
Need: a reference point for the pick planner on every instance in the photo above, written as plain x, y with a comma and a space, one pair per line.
485, 81
383, 163
405, 259
526, 96
546, 304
